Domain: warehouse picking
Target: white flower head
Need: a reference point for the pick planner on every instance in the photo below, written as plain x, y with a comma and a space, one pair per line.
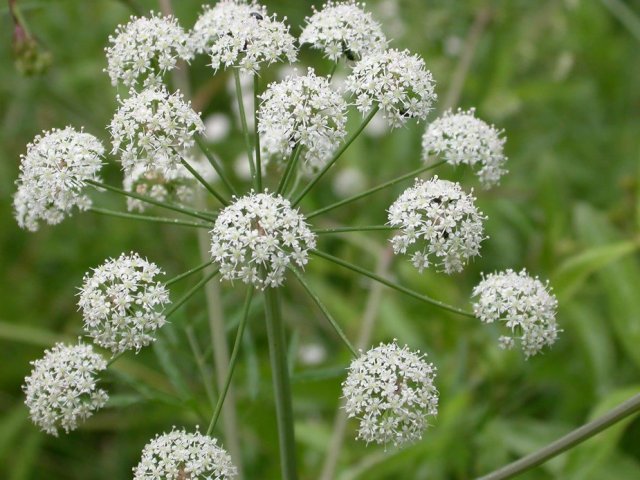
397, 82
180, 455
155, 129
390, 390
302, 111
144, 49
53, 174
240, 34
256, 237
62, 388
462, 138
122, 303
173, 185
343, 28
439, 224
524, 304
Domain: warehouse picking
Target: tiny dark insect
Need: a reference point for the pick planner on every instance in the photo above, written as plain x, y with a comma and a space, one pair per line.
257, 16
348, 52
436, 200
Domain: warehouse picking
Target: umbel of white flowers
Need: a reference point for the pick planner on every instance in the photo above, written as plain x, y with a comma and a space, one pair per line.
524, 304
463, 139
180, 455
144, 49
173, 185
122, 303
257, 237
62, 388
155, 129
390, 391
439, 224
302, 112
53, 174
242, 35
343, 28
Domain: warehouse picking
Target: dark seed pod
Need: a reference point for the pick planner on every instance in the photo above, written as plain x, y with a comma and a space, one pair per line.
257, 15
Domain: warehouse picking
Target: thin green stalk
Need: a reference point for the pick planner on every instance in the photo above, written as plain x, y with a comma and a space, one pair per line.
363, 228
113, 359
215, 164
337, 155
190, 293
391, 284
189, 272
281, 384
204, 183
256, 87
289, 169
232, 362
169, 206
325, 311
382, 186
333, 69
135, 216
200, 362
579, 435
243, 120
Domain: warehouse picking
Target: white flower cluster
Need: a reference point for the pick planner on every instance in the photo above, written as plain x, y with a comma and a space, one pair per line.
524, 303
256, 237
397, 82
302, 111
171, 185
343, 28
462, 138
155, 129
62, 387
52, 175
442, 215
122, 303
391, 391
240, 34
179, 455
145, 49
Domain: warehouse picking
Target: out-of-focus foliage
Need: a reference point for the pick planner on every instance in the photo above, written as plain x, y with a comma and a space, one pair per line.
560, 76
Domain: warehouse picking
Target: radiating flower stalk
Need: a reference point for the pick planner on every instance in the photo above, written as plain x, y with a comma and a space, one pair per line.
261, 235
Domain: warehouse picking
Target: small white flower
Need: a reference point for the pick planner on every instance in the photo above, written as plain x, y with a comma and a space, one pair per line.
62, 388
343, 28
391, 391
122, 303
304, 111
174, 185
438, 223
180, 455
464, 139
240, 34
154, 129
524, 304
256, 237
397, 82
52, 175
145, 49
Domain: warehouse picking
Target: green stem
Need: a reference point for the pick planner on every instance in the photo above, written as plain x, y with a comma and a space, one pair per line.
393, 285
333, 69
215, 164
364, 228
134, 216
281, 386
390, 183
570, 440
188, 272
256, 86
169, 206
203, 182
337, 155
325, 311
291, 163
200, 362
232, 361
243, 120
190, 293
113, 359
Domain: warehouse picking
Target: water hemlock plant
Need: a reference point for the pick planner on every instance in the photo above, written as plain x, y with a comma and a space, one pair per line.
261, 236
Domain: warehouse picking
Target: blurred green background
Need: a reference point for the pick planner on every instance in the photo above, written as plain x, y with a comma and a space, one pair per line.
561, 77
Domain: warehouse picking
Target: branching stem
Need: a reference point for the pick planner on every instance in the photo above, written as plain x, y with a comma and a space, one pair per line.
146, 218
